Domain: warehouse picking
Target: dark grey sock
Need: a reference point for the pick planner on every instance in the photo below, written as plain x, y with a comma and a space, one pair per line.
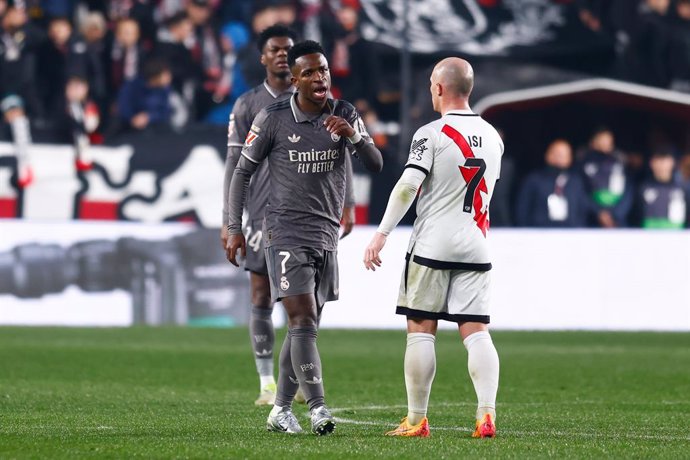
287, 381
263, 339
307, 364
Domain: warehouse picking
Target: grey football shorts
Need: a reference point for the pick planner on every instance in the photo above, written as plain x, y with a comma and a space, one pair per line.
303, 270
256, 256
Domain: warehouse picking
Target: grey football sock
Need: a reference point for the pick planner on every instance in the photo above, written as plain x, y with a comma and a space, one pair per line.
263, 338
307, 364
287, 381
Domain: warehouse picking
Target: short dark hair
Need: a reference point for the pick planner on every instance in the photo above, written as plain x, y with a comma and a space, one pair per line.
154, 66
276, 30
302, 49
176, 19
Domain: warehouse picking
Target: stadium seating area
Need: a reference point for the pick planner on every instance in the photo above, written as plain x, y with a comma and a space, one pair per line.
200, 56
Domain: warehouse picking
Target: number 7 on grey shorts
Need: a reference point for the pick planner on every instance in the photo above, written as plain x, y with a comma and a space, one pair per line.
303, 270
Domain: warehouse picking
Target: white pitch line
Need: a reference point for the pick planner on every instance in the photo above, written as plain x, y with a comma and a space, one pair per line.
563, 434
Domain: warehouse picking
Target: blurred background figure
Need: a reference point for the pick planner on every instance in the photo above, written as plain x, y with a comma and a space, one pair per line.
662, 201
19, 42
174, 42
679, 47
77, 119
603, 169
683, 173
555, 195
145, 102
207, 54
125, 55
94, 30
62, 55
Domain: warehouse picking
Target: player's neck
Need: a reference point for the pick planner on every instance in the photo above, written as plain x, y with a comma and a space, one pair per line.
278, 83
454, 104
307, 106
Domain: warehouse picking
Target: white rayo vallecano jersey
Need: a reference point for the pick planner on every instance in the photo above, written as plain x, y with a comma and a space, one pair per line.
461, 155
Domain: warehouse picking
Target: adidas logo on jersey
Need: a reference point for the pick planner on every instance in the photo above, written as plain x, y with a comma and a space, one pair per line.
294, 138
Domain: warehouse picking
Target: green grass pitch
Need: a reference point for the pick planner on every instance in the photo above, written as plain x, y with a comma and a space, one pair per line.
188, 393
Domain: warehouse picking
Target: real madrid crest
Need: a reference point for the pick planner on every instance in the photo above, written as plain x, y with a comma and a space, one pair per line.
284, 283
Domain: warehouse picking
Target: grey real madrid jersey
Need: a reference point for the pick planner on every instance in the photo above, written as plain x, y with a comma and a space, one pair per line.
246, 108
307, 172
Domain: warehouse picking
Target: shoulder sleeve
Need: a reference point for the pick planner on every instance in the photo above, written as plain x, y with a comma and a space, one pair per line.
259, 140
422, 150
239, 124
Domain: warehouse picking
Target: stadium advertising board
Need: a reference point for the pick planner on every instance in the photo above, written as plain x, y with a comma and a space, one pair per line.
120, 274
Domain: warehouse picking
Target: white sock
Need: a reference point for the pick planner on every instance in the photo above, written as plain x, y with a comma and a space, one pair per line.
265, 380
482, 362
420, 368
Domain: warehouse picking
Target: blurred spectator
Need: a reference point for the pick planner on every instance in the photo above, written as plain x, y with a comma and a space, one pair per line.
644, 60
126, 54
208, 56
554, 196
173, 41
350, 55
146, 100
683, 173
18, 44
93, 28
62, 55
661, 201
77, 119
606, 183
679, 47
141, 11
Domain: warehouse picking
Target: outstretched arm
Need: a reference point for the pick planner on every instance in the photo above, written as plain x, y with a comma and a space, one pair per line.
400, 200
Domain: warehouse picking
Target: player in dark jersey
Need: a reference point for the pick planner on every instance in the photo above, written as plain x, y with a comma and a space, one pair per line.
274, 43
305, 140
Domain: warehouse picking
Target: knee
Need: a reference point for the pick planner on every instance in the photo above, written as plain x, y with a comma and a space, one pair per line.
261, 294
303, 319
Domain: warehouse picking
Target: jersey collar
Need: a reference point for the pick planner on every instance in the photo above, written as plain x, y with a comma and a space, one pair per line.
301, 117
273, 93
462, 113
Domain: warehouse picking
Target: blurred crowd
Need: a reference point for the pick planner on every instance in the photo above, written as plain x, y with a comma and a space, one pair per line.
652, 38
82, 70
163, 62
87, 70
600, 186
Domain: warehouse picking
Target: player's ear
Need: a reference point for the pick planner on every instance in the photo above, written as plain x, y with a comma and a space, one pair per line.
263, 59
439, 89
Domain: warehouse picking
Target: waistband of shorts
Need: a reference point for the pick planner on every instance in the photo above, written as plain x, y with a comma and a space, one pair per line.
445, 265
